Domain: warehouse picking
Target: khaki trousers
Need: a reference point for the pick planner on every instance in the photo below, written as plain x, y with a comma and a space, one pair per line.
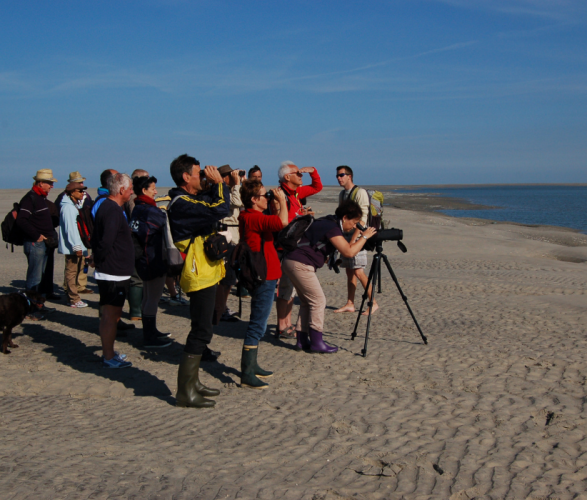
73, 269
82, 280
312, 299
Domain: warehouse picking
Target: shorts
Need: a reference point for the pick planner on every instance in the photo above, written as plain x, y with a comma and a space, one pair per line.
286, 289
113, 293
359, 261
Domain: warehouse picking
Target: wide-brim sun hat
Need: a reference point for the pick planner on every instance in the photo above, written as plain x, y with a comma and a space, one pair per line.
72, 186
224, 170
75, 177
45, 174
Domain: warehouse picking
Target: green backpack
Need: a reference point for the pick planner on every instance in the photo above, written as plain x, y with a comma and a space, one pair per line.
375, 217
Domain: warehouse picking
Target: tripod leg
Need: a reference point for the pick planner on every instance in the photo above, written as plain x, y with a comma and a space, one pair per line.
404, 298
379, 277
366, 295
370, 304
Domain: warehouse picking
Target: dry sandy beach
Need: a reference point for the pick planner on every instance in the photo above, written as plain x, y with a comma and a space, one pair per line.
493, 407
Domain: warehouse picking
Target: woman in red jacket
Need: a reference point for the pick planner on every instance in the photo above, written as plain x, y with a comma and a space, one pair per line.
257, 229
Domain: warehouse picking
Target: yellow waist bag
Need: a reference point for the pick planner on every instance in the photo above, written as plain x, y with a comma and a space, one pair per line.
199, 271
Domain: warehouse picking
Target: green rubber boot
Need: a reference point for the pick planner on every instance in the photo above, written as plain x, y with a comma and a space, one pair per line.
190, 391
248, 368
135, 299
259, 371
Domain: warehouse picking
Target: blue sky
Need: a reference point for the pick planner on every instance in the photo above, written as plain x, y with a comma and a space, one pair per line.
405, 92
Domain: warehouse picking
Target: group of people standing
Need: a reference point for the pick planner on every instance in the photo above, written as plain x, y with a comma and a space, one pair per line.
128, 238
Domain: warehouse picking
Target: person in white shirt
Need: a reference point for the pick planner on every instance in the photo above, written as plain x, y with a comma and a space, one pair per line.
354, 266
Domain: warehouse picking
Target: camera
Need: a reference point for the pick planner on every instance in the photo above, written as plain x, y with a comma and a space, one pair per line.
242, 173
220, 227
382, 235
270, 195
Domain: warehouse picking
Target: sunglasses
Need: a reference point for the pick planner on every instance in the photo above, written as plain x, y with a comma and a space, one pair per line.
341, 175
265, 195
299, 174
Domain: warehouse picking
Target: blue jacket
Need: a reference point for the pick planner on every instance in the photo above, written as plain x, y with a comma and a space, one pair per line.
69, 239
102, 194
147, 225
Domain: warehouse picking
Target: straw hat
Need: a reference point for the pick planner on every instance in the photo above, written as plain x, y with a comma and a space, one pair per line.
45, 174
75, 177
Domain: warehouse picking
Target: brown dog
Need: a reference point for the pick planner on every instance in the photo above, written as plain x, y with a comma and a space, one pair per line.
14, 308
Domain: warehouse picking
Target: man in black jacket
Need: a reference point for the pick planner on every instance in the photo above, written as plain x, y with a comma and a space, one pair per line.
196, 206
114, 261
35, 222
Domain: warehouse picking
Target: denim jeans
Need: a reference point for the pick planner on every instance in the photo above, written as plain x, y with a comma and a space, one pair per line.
36, 254
261, 303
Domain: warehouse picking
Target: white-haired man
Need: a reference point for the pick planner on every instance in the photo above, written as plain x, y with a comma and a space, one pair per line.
291, 181
114, 259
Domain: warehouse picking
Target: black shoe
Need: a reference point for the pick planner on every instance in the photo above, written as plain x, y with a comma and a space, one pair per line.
156, 343
229, 318
53, 296
47, 310
122, 326
210, 355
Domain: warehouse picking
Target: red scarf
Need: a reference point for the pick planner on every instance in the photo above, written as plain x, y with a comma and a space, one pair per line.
147, 199
37, 189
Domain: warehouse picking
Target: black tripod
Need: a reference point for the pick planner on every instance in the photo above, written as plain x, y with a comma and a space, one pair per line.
375, 277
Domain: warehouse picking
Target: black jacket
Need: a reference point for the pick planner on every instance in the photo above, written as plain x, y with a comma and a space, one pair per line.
147, 225
196, 215
34, 217
112, 242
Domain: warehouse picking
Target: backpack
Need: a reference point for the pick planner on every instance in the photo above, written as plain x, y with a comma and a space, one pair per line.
11, 233
289, 237
85, 225
250, 267
375, 216
174, 258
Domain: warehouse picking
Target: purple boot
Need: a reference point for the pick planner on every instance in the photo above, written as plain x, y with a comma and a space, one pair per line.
303, 343
318, 345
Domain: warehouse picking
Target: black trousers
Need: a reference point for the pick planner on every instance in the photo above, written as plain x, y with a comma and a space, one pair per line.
201, 311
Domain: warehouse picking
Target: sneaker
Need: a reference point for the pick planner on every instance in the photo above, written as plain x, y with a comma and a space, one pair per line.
47, 310
115, 362
118, 355
177, 301
164, 300
156, 343
79, 304
85, 290
231, 312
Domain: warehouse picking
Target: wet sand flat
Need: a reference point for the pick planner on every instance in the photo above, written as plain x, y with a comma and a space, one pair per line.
493, 407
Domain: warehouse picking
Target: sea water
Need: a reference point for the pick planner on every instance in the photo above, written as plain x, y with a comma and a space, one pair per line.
549, 205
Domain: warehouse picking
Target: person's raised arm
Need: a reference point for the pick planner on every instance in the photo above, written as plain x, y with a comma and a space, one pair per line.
314, 187
349, 250
219, 192
280, 198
